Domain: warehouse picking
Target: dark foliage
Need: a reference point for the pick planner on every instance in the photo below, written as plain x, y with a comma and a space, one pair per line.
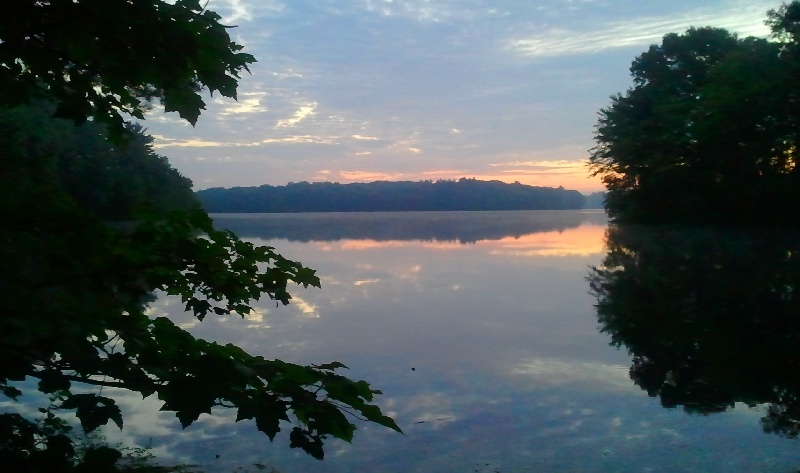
101, 58
708, 132
107, 179
710, 316
75, 286
74, 294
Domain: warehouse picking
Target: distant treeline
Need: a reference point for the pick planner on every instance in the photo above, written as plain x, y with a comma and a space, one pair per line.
463, 194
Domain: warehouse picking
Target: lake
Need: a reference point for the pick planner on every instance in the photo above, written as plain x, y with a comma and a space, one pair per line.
534, 341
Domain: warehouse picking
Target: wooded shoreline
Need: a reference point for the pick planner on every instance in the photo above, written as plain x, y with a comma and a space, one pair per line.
385, 196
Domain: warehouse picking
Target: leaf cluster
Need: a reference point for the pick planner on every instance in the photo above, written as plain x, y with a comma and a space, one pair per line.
71, 322
111, 180
75, 285
75, 290
104, 58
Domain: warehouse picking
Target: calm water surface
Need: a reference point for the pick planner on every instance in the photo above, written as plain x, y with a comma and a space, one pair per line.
482, 332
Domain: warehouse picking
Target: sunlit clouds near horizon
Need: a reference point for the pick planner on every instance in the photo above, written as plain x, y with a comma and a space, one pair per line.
365, 90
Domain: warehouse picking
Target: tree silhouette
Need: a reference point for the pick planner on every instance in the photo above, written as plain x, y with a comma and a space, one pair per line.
708, 132
75, 286
711, 317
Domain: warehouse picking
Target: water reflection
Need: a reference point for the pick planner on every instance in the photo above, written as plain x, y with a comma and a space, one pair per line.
463, 227
510, 373
711, 317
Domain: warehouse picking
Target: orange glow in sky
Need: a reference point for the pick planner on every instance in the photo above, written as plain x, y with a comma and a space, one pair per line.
572, 175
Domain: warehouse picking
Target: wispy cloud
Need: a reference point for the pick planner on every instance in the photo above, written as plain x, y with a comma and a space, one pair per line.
235, 12
249, 102
745, 19
540, 164
299, 139
164, 142
555, 372
365, 176
445, 173
424, 11
302, 112
306, 309
362, 282
232, 11
365, 138
544, 172
287, 74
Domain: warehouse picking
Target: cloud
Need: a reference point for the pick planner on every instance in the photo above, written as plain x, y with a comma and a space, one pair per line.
324, 175
303, 112
351, 245
446, 173
164, 142
255, 318
287, 74
540, 164
542, 167
367, 176
421, 89
234, 12
544, 172
432, 11
422, 11
549, 371
299, 139
745, 19
581, 241
249, 102
362, 282
410, 144
306, 309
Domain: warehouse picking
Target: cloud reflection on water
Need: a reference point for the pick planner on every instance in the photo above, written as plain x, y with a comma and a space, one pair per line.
583, 240
483, 339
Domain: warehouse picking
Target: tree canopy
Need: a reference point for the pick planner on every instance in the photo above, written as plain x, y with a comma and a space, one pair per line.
109, 180
76, 283
101, 59
708, 131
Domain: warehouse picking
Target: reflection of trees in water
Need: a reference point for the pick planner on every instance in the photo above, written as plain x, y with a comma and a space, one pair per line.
464, 227
711, 317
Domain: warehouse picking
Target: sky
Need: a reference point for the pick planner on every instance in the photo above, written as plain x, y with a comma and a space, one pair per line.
368, 90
